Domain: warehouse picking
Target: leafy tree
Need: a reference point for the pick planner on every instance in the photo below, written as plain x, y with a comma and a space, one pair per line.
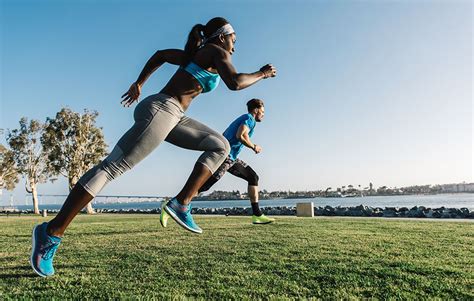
9, 176
74, 144
29, 155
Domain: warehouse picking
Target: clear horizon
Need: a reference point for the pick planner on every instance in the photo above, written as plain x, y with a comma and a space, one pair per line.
366, 91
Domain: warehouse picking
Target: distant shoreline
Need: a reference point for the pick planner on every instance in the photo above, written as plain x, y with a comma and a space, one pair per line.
331, 197
457, 200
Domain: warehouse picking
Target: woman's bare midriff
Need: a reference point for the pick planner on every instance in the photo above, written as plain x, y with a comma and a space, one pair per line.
183, 86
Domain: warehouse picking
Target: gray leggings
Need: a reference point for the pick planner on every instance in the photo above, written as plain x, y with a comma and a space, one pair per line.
158, 117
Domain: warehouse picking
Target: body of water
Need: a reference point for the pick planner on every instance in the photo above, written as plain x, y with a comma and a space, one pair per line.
458, 200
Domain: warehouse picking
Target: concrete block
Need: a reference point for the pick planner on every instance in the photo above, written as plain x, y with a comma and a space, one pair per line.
305, 209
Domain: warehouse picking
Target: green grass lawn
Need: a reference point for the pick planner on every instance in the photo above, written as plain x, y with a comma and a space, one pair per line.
131, 256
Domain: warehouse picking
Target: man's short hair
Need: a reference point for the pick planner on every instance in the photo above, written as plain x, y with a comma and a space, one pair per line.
254, 103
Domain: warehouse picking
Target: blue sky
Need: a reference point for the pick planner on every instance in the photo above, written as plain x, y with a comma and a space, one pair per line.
367, 91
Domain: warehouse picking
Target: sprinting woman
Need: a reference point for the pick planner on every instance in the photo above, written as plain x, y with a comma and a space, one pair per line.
205, 59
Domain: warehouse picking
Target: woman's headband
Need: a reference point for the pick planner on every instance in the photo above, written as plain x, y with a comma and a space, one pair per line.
225, 30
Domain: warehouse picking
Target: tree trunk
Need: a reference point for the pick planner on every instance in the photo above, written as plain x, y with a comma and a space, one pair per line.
34, 193
89, 208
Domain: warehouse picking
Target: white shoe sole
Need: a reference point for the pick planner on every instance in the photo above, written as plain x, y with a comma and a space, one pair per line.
171, 213
32, 253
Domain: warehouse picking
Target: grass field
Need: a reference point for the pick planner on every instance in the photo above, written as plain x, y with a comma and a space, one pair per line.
131, 256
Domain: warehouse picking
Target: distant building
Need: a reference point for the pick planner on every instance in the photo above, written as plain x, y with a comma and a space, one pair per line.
461, 187
469, 187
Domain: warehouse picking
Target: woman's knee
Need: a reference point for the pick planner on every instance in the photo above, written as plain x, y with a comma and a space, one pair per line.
216, 143
226, 146
221, 151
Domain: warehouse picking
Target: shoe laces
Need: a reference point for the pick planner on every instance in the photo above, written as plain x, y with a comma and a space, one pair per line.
178, 207
49, 250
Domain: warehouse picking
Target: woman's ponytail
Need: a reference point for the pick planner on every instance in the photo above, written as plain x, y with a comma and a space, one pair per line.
195, 40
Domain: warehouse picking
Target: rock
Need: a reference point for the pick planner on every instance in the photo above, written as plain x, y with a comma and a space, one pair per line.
290, 211
429, 213
394, 209
274, 212
377, 212
329, 211
390, 213
464, 212
416, 212
446, 213
368, 211
318, 210
341, 211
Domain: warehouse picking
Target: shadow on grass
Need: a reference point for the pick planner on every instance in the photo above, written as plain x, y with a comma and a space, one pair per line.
17, 235
23, 271
107, 233
31, 274
26, 271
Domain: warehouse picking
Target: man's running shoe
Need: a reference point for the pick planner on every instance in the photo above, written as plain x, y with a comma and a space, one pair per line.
182, 215
44, 248
262, 219
164, 216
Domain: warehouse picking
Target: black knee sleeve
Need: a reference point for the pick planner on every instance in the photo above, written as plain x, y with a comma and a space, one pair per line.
252, 177
206, 186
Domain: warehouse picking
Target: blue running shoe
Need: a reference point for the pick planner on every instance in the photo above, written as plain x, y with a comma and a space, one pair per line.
44, 248
182, 215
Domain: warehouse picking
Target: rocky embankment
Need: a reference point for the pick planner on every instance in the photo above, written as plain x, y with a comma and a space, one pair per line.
417, 211
333, 211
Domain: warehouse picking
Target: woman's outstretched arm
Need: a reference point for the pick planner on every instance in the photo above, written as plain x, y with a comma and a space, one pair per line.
238, 81
171, 56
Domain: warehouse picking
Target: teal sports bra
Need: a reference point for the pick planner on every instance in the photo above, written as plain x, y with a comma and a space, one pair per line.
208, 80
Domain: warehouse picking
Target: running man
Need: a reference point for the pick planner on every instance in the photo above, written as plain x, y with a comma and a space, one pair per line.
206, 59
238, 134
